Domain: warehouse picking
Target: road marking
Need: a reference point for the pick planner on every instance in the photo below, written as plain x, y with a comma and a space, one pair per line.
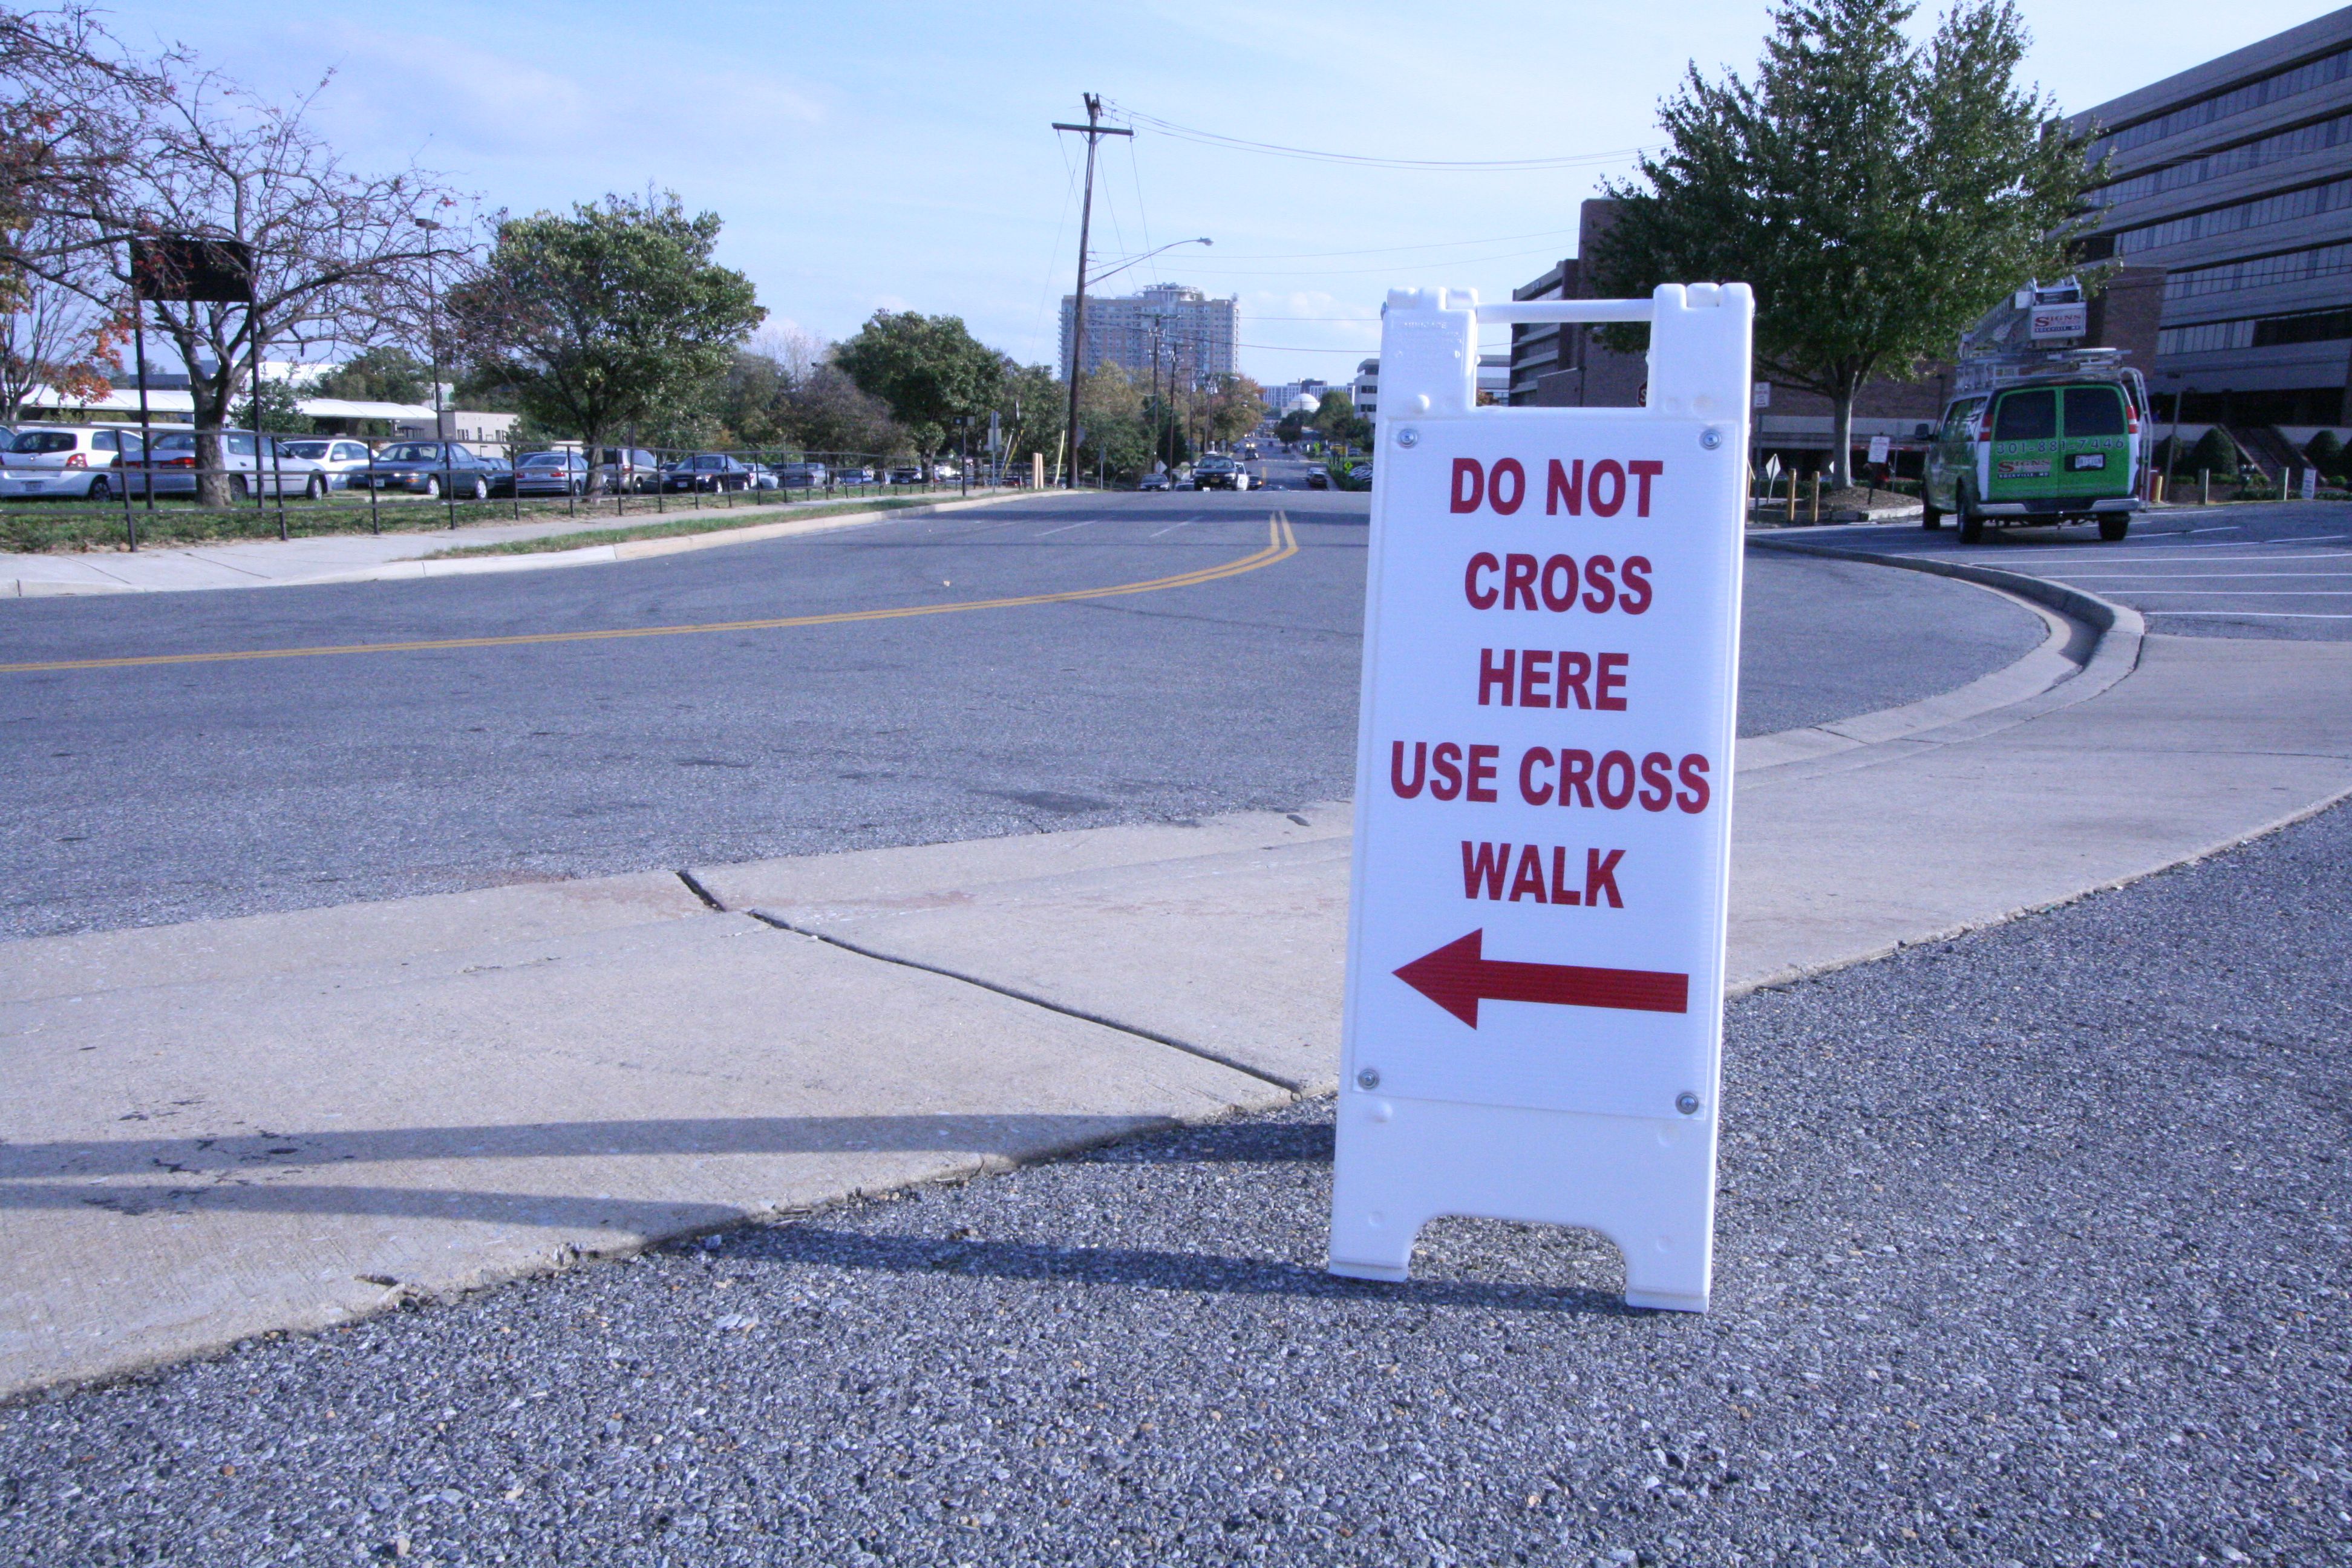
2248, 593
1174, 526
2185, 577
2262, 615
1281, 545
1051, 531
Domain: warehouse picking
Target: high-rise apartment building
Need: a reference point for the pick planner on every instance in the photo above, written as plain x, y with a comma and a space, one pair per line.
1187, 333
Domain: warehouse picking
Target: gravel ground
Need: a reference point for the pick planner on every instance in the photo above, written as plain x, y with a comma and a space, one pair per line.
2033, 1250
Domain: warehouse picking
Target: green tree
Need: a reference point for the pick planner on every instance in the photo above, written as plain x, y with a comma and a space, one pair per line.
281, 411
1291, 426
1115, 435
1030, 408
930, 370
613, 316
1338, 420
2326, 453
1878, 196
826, 412
379, 375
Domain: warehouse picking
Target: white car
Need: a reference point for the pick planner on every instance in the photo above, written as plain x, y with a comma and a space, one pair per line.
83, 461
280, 473
339, 458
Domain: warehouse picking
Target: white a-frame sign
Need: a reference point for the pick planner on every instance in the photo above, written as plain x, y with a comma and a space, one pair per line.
1543, 793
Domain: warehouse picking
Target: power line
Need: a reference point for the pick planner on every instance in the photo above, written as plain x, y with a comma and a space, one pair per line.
1392, 250
1360, 160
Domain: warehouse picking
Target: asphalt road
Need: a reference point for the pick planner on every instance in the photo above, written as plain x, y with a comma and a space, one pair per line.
2279, 570
2032, 1249
177, 791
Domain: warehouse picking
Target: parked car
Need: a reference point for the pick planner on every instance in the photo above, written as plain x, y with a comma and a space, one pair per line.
1152, 482
945, 472
559, 473
337, 458
804, 476
907, 474
630, 468
257, 464
433, 468
83, 461
1317, 479
712, 471
2056, 448
853, 476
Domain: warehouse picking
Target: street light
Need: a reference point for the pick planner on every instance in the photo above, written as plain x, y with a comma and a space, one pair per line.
1148, 255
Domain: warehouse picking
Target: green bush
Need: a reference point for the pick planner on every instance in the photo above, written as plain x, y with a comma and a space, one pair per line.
2216, 453
2326, 454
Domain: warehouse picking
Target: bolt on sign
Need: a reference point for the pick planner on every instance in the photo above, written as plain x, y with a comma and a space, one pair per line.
1543, 790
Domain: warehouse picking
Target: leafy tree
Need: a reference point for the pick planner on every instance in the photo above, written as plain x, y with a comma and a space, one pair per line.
613, 316
378, 375
2326, 453
1879, 196
1031, 409
826, 412
930, 370
1235, 408
1291, 426
281, 410
1337, 420
1111, 418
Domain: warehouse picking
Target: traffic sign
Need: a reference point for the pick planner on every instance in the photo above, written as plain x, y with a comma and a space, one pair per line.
1542, 849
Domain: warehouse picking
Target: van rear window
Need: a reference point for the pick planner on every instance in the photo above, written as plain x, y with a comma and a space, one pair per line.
2093, 411
2026, 415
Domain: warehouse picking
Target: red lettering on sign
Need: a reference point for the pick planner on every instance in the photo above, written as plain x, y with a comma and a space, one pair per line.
1643, 472
1446, 770
1561, 893
1635, 575
1601, 877
1531, 792
1694, 776
1535, 674
1657, 782
1396, 768
1480, 598
1529, 877
1485, 866
1575, 669
1564, 488
1619, 765
1601, 589
1558, 599
1576, 777
1518, 582
1612, 679
1492, 677
1469, 484
1611, 470
1508, 468
1482, 774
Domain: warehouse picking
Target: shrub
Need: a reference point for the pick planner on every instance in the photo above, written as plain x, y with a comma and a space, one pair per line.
2214, 451
2326, 454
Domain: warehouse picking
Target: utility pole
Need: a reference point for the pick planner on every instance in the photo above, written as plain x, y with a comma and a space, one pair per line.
1094, 130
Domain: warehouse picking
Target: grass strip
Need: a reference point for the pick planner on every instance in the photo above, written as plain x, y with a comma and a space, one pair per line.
693, 523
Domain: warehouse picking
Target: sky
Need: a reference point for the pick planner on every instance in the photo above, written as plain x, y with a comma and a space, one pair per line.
892, 156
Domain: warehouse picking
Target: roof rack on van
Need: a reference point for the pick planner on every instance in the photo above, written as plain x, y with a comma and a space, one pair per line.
1987, 372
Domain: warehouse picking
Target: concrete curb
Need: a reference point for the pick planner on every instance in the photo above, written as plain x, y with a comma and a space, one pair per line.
414, 568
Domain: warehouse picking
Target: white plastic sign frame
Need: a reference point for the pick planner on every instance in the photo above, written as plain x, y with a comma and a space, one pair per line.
1543, 794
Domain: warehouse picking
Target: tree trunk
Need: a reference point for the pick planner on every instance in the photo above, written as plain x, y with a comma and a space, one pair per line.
1841, 439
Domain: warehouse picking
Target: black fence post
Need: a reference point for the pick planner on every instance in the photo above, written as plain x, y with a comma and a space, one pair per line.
375, 523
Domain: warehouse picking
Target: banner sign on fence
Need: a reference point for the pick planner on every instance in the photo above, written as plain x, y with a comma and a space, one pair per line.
1535, 960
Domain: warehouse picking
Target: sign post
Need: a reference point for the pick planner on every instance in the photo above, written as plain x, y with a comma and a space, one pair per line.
1535, 937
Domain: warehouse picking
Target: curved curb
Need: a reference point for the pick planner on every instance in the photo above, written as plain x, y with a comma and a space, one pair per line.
2120, 630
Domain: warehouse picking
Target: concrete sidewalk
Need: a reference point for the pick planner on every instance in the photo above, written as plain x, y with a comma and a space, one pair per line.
225, 1128
400, 556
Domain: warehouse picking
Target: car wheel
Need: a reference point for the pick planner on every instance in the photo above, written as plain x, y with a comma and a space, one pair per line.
2113, 525
1971, 525
481, 487
1931, 516
245, 488
315, 488
99, 489
432, 486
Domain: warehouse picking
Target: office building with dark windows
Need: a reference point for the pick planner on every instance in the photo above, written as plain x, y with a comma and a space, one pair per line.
2236, 179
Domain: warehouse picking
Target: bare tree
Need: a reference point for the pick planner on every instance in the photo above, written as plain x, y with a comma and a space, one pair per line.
337, 256
52, 335
68, 92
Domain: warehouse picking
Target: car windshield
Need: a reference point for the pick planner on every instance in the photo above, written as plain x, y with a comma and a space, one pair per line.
2026, 415
2093, 411
42, 441
412, 452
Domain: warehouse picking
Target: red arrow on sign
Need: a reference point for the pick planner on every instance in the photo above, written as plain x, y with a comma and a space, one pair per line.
1458, 975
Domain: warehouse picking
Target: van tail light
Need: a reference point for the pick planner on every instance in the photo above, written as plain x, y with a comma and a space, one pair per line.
2131, 422
1984, 424
77, 460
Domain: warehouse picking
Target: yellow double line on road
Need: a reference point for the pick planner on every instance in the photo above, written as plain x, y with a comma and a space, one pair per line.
1281, 545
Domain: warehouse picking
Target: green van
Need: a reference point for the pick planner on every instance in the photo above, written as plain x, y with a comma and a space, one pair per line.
2048, 450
